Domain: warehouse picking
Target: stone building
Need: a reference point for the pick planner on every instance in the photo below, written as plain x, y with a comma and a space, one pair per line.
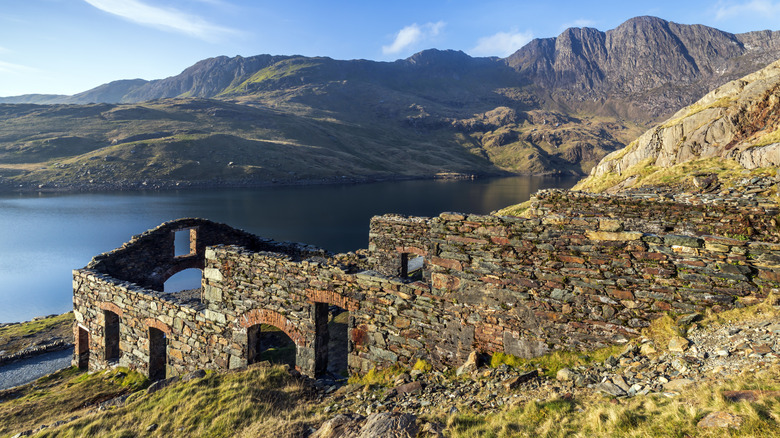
588, 270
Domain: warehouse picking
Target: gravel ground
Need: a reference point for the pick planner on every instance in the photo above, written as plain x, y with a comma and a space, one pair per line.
27, 370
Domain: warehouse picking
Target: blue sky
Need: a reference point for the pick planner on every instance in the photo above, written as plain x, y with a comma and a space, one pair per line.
68, 46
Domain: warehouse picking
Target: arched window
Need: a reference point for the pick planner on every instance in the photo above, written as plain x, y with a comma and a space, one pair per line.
187, 279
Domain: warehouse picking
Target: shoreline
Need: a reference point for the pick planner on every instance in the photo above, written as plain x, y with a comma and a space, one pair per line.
166, 185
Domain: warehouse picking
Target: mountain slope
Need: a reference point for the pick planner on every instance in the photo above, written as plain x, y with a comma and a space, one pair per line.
558, 105
208, 142
735, 129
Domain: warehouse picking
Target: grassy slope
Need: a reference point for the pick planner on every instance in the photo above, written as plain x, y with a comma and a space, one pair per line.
729, 172
303, 119
16, 337
186, 140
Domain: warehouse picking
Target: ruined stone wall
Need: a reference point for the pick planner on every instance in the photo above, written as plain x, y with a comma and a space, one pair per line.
149, 259
391, 321
392, 236
193, 342
528, 285
684, 214
568, 280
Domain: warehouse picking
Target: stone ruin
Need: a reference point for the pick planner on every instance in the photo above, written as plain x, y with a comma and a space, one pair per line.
583, 272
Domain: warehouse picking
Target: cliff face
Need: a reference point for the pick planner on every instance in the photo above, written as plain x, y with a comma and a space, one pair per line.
646, 62
739, 121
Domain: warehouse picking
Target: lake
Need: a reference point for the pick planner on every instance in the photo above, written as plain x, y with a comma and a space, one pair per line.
45, 236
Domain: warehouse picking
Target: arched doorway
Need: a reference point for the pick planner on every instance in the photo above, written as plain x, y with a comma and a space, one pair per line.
266, 342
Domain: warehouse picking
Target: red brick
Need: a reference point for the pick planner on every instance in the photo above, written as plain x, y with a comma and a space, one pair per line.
571, 259
447, 263
621, 294
499, 240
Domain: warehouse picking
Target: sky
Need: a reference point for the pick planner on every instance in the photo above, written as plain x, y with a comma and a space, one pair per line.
69, 46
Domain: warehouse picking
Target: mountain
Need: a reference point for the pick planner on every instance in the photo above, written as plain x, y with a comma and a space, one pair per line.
731, 133
41, 99
558, 105
645, 68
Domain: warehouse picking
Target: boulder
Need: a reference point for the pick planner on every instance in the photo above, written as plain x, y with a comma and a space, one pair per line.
389, 425
471, 364
721, 419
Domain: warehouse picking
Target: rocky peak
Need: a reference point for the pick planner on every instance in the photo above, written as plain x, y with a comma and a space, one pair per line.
205, 78
438, 57
643, 62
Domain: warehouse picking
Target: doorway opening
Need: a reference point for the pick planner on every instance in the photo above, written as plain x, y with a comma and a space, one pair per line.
111, 336
158, 357
82, 348
267, 342
331, 343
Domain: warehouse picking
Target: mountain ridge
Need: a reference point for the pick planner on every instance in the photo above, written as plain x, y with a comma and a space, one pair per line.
558, 105
606, 61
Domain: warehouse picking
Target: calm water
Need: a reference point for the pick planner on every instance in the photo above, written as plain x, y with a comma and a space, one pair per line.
43, 237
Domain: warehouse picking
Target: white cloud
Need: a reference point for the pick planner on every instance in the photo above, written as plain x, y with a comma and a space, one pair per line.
759, 8
7, 67
167, 19
502, 43
413, 35
582, 22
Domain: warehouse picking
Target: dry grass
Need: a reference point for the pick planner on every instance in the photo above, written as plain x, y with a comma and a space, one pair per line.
649, 416
608, 180
60, 396
552, 362
263, 401
647, 175
654, 415
518, 210
768, 138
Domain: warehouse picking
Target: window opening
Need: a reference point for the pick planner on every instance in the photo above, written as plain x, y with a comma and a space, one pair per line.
184, 242
412, 266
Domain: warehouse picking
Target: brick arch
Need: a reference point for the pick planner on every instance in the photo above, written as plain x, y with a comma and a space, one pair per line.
335, 298
276, 319
181, 265
111, 307
159, 325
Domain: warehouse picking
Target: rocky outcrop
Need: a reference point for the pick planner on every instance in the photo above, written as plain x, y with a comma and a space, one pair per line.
737, 121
